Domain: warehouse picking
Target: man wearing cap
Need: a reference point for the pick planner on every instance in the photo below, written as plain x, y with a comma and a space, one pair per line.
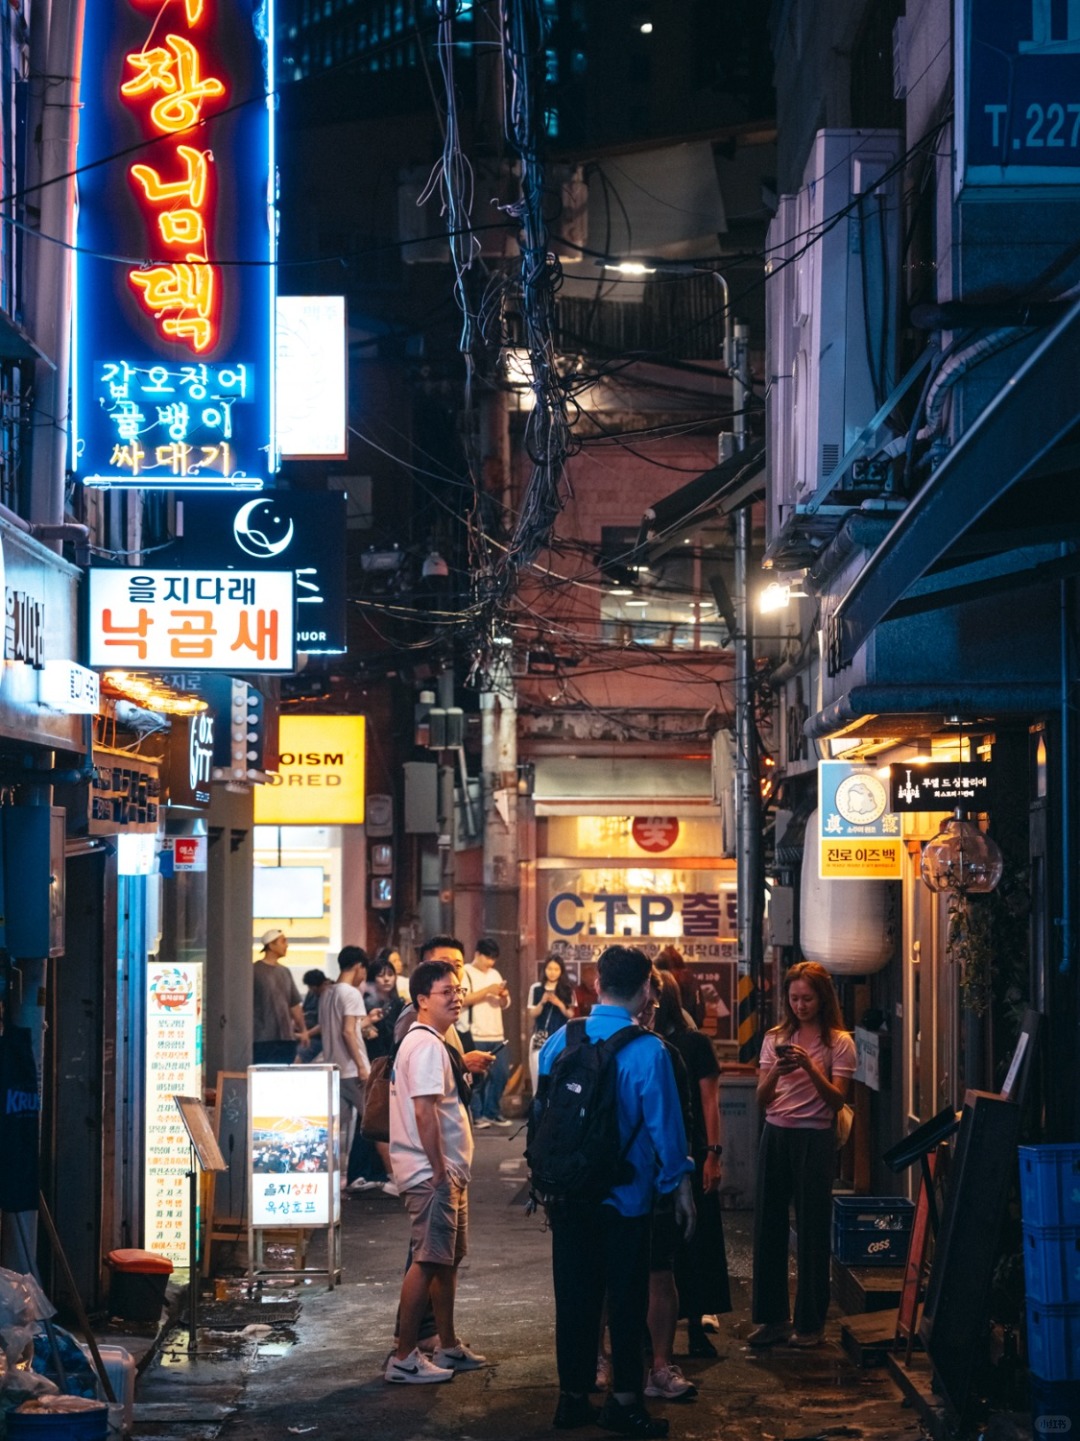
278, 1021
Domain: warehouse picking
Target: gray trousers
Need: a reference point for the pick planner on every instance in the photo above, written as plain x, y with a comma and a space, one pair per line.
793, 1165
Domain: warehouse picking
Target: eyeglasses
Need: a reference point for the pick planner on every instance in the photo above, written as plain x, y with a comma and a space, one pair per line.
455, 991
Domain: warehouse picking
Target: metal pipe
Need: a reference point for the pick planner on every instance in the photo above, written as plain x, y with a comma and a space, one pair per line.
745, 810
1066, 786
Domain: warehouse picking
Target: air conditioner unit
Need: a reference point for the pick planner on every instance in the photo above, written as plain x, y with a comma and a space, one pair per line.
834, 322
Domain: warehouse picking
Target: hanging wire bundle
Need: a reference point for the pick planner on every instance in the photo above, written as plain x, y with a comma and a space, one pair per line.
548, 437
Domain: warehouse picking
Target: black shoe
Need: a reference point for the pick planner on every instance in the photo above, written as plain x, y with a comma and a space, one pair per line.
699, 1345
630, 1420
574, 1411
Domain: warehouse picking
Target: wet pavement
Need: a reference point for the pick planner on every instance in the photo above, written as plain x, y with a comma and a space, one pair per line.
321, 1375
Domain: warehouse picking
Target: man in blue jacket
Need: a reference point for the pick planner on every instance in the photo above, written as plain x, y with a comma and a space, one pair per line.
602, 1247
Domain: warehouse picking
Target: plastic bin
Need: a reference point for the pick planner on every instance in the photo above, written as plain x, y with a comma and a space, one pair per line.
871, 1230
1052, 1264
1055, 1408
73, 1419
1050, 1185
139, 1279
120, 1369
1053, 1339
740, 1125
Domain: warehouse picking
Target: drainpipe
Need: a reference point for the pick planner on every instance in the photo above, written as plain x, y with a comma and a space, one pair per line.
747, 800
50, 289
1065, 966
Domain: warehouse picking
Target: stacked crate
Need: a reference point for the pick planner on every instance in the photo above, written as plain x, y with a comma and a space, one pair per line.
1050, 1203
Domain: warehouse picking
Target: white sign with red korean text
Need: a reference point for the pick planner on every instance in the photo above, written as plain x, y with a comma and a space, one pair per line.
200, 619
173, 1068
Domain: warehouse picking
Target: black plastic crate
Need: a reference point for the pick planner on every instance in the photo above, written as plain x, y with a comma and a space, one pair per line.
871, 1230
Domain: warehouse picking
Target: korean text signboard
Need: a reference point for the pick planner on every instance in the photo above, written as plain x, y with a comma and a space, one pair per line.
859, 836
294, 1145
290, 529
173, 1067
1018, 89
199, 619
939, 786
175, 281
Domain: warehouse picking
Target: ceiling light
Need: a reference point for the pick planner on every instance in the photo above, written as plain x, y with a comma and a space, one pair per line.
620, 590
631, 267
646, 28
641, 603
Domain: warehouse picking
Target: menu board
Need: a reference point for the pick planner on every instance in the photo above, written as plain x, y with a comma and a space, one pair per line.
173, 1067
294, 1145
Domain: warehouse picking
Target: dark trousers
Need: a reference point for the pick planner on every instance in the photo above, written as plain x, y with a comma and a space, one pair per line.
595, 1250
793, 1165
273, 1053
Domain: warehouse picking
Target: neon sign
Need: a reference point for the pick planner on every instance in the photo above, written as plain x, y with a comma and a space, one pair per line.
175, 290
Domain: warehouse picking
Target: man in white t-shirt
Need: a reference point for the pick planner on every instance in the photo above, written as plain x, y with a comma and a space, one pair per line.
431, 1150
486, 996
341, 1010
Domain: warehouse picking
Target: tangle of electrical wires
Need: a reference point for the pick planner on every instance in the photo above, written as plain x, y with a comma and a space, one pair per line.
548, 435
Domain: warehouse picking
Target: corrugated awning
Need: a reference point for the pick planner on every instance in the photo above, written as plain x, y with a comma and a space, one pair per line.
1031, 413
724, 488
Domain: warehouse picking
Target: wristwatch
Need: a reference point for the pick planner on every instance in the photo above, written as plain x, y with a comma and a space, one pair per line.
715, 1150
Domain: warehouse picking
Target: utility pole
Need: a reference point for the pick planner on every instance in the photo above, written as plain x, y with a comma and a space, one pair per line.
747, 795
447, 818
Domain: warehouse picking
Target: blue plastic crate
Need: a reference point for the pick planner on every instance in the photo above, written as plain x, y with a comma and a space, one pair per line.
871, 1230
1050, 1185
1055, 1408
1053, 1338
1052, 1264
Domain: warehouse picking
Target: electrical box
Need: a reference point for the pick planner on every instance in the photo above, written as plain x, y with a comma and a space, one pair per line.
421, 797
34, 880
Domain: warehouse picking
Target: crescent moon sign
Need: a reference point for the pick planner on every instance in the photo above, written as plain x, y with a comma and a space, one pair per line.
257, 542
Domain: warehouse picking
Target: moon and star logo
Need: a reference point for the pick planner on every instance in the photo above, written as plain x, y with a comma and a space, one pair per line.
261, 530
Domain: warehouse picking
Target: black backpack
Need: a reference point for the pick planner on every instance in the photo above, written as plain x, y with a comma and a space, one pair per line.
575, 1150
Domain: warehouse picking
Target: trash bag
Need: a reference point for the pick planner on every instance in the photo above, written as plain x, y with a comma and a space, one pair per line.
22, 1301
81, 1377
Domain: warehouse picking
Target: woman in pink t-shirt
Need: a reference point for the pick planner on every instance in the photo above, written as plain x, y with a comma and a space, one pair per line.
805, 1067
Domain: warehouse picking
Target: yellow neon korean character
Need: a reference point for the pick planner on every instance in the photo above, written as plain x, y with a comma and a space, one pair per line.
184, 296
129, 457
175, 457
177, 77
192, 188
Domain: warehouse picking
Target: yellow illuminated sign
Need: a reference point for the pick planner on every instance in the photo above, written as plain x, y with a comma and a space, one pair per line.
320, 778
862, 858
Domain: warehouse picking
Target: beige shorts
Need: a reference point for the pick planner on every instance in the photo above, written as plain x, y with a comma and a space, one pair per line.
440, 1222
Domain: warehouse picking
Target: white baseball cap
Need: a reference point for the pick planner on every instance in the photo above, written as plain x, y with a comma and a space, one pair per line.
269, 936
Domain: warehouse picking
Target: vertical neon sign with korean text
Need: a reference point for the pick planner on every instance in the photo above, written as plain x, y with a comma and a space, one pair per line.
175, 277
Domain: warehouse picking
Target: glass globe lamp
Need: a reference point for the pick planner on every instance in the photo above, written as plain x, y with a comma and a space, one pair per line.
961, 858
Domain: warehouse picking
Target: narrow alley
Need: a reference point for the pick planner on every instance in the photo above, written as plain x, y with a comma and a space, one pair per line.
328, 1384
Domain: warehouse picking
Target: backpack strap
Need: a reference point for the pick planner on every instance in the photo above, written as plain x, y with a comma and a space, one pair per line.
575, 1034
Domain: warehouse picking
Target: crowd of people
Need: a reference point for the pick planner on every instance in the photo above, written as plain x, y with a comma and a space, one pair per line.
634, 1209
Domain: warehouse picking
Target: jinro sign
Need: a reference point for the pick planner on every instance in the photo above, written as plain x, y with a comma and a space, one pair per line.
174, 352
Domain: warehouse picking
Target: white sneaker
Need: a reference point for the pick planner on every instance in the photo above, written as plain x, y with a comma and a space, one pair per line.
416, 1370
669, 1383
360, 1184
459, 1358
389, 1189
483, 1124
501, 1121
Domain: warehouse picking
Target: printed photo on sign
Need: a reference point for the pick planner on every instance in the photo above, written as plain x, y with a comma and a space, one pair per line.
294, 1156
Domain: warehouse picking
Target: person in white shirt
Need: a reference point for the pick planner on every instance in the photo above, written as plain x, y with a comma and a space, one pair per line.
487, 995
341, 1010
431, 1150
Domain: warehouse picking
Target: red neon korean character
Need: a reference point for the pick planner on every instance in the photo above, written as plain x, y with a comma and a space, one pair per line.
181, 297
265, 643
176, 76
191, 642
139, 631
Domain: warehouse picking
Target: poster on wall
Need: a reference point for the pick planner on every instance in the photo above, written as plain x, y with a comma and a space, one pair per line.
173, 1067
294, 1145
175, 288
589, 908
